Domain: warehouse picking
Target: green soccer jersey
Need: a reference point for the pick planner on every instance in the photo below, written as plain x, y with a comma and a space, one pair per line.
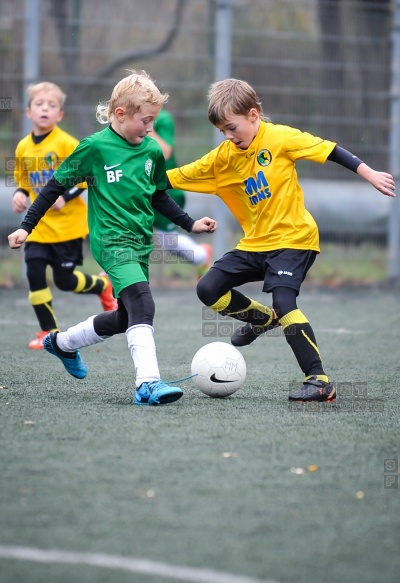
121, 180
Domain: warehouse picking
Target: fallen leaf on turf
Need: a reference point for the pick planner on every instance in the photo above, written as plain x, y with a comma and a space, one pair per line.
360, 495
298, 471
3, 387
228, 454
312, 468
24, 491
146, 493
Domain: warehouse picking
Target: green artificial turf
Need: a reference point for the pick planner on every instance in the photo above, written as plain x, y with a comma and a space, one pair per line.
84, 470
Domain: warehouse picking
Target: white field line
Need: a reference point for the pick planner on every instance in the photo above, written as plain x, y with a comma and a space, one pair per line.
125, 564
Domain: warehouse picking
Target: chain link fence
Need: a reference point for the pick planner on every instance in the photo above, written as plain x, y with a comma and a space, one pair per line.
323, 66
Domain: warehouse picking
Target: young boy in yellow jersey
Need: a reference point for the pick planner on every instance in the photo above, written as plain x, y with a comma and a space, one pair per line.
58, 240
254, 173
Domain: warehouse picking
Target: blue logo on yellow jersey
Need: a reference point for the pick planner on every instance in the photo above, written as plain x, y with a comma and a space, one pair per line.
45, 170
257, 188
39, 179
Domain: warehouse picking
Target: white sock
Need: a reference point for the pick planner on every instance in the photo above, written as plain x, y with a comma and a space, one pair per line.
82, 334
143, 350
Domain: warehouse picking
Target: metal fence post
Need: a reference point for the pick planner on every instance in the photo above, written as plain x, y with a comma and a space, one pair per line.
394, 155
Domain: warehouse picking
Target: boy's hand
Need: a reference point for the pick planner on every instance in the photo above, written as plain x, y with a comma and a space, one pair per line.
382, 181
59, 204
204, 225
16, 238
19, 202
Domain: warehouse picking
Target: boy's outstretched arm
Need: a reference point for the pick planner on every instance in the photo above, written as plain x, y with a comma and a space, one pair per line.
204, 225
382, 181
165, 205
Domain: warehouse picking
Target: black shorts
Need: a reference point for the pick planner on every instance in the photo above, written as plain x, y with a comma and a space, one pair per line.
67, 254
280, 268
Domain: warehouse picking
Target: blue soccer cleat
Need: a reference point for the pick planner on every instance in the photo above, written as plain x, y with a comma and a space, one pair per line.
156, 393
73, 364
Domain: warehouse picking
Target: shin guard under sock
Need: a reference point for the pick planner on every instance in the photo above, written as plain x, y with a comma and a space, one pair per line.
301, 339
40, 301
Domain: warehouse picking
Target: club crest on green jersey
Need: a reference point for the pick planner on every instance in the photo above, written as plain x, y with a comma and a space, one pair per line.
264, 157
148, 166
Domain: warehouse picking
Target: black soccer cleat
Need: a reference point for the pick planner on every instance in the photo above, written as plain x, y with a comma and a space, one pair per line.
314, 390
246, 334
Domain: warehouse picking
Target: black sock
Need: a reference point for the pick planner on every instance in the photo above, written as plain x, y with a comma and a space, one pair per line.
45, 315
238, 306
301, 339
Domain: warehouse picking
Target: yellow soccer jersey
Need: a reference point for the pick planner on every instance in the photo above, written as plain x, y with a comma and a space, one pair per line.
35, 165
260, 186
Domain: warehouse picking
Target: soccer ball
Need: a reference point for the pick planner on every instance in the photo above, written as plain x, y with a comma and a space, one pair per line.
220, 369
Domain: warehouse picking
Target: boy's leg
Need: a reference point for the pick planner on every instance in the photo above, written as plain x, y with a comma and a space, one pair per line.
150, 389
72, 361
70, 279
215, 290
99, 285
79, 336
297, 330
282, 268
301, 339
65, 345
40, 298
65, 257
241, 307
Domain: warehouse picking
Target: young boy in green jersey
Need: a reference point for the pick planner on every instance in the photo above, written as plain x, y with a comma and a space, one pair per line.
58, 240
166, 234
254, 173
125, 172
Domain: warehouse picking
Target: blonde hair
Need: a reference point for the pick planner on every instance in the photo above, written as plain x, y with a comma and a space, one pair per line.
232, 97
131, 92
35, 88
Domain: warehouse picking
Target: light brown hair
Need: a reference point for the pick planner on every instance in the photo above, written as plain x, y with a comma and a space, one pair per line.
232, 97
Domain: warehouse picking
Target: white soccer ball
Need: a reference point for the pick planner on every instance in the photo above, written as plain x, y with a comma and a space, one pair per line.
220, 369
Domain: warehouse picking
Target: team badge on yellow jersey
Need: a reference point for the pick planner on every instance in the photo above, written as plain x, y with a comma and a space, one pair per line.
51, 160
264, 157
